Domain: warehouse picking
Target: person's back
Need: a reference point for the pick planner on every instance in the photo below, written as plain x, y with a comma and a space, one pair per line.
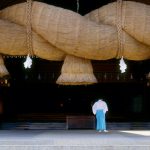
99, 109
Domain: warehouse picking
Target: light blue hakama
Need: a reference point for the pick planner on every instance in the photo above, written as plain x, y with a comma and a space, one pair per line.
100, 117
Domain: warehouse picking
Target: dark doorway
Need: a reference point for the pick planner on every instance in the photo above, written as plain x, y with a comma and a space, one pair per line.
126, 102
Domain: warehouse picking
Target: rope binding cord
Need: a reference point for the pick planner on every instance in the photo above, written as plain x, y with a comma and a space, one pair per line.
28, 62
119, 28
122, 64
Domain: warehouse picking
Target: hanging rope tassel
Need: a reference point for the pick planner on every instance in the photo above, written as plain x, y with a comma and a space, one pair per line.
3, 69
122, 64
28, 62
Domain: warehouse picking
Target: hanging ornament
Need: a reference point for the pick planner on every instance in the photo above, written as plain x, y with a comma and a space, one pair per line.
28, 62
131, 76
53, 75
39, 77
122, 65
118, 77
3, 69
6, 81
148, 78
105, 76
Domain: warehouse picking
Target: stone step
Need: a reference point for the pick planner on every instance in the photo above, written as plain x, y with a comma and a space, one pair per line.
128, 125
31, 126
63, 126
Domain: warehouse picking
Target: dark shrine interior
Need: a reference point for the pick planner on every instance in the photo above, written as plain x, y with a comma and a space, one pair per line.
34, 90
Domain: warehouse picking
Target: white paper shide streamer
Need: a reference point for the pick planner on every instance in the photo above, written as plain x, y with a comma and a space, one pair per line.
28, 62
122, 65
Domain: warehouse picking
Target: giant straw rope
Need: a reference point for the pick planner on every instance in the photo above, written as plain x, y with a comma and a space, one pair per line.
93, 36
58, 32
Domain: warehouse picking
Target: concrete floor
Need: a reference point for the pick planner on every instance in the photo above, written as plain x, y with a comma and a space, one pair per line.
74, 140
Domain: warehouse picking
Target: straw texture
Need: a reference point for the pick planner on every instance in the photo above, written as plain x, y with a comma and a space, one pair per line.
3, 70
135, 16
135, 27
13, 42
76, 71
67, 30
60, 34
82, 36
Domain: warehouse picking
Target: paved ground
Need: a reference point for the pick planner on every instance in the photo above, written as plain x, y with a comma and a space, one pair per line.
81, 139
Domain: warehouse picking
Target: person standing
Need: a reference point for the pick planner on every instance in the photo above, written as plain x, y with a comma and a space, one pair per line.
99, 109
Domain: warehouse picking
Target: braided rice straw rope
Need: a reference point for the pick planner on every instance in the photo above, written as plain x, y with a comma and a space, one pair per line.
29, 27
76, 71
3, 70
119, 28
106, 33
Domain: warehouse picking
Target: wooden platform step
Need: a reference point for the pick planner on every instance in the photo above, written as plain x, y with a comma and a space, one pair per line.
64, 126
128, 125
33, 126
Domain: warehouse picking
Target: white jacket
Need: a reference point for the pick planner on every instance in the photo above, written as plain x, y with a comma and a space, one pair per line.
100, 104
